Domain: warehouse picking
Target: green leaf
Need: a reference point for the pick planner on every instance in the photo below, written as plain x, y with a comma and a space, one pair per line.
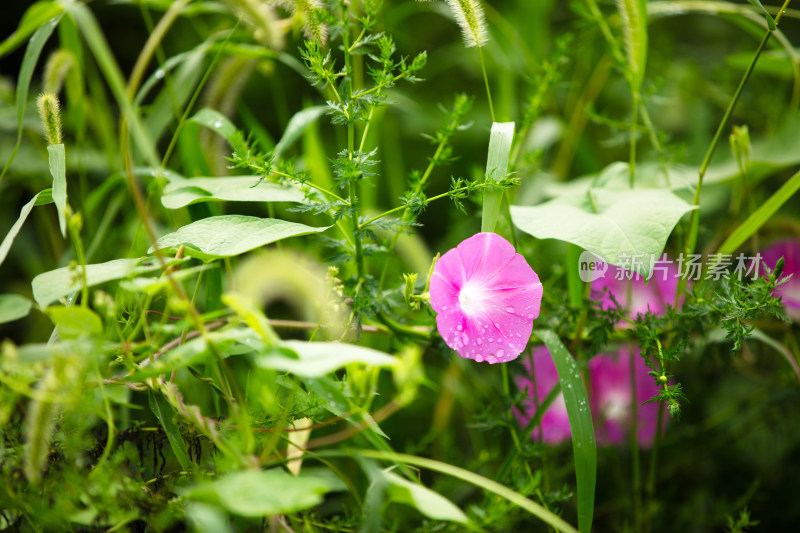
165, 415
181, 192
626, 227
58, 169
13, 307
770, 20
33, 19
760, 216
97, 43
230, 235
32, 53
634, 25
50, 286
5, 246
75, 322
430, 503
45, 197
216, 121
496, 168
255, 493
584, 448
298, 123
316, 359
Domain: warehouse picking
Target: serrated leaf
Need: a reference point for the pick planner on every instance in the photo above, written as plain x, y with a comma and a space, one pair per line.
165, 415
255, 493
316, 359
13, 307
500, 142
297, 125
426, 501
216, 121
181, 192
625, 227
229, 235
75, 322
584, 447
58, 169
50, 286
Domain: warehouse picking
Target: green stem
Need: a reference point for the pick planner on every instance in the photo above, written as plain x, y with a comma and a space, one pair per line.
634, 120
694, 220
486, 82
77, 244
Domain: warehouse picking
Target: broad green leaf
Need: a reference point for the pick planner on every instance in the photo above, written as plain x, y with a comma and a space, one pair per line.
760, 216
58, 169
255, 493
634, 27
584, 448
430, 503
32, 53
37, 352
45, 197
770, 20
206, 518
316, 359
229, 235
496, 169
50, 286
165, 415
182, 192
5, 246
13, 307
216, 121
298, 123
626, 227
75, 322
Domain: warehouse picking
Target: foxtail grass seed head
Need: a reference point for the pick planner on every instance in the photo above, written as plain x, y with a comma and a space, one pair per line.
261, 18
469, 16
58, 65
50, 114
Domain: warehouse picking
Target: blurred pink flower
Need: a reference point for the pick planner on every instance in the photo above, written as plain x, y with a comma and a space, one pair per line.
790, 291
554, 423
654, 296
609, 399
486, 297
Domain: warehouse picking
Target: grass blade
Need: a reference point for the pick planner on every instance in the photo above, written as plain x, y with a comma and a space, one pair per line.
760, 216
5, 246
164, 414
580, 423
32, 53
58, 169
496, 169
504, 492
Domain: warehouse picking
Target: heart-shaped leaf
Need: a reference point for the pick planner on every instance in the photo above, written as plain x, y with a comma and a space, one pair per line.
181, 192
626, 227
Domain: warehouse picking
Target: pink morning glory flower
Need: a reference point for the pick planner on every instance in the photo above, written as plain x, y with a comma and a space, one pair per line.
610, 398
789, 291
486, 297
654, 296
554, 423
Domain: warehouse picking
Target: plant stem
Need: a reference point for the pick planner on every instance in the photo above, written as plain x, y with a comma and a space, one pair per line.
486, 81
694, 220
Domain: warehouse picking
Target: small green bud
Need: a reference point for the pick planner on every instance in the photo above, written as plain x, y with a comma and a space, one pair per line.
408, 290
50, 115
740, 145
662, 378
778, 268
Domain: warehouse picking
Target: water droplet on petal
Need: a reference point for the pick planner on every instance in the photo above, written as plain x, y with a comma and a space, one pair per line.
492, 359
479, 358
459, 327
465, 338
530, 316
500, 353
480, 341
510, 309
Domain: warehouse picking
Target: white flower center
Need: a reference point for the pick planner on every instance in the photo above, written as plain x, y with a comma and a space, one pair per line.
471, 299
